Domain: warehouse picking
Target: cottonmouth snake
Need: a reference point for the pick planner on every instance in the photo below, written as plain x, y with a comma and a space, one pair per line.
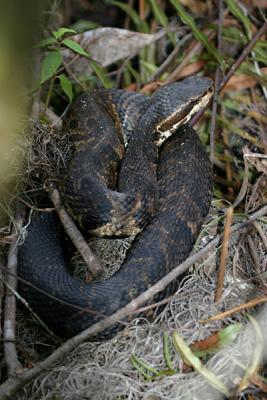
171, 190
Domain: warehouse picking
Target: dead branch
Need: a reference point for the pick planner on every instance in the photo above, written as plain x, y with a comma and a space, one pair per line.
223, 261
75, 235
10, 353
249, 304
12, 385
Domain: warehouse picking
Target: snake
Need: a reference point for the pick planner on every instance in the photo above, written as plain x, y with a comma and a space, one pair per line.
137, 168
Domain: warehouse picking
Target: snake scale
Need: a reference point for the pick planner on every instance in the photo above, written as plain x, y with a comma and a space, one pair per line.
161, 185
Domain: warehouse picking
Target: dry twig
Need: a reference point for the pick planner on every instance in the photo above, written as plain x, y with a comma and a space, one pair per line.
10, 352
75, 235
249, 304
223, 261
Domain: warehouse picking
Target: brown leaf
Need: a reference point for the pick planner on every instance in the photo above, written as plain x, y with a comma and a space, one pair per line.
257, 381
242, 81
191, 69
206, 344
196, 6
150, 87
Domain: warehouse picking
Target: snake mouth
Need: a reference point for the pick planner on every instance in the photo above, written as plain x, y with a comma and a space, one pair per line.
181, 116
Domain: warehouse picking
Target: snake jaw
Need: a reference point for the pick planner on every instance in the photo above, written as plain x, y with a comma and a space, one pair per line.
181, 116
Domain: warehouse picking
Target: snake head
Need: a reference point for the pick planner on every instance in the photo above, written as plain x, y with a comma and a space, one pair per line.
178, 102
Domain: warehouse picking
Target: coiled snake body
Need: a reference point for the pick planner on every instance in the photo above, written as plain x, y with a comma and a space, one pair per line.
171, 190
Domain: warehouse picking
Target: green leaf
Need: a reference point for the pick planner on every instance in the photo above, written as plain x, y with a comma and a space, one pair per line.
150, 68
161, 18
66, 85
234, 35
50, 65
62, 31
141, 25
101, 74
184, 350
239, 14
75, 47
46, 42
83, 25
225, 337
188, 20
166, 350
145, 369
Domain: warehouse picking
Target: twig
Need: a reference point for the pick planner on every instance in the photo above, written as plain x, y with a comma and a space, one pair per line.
242, 307
261, 233
174, 75
11, 386
254, 253
10, 353
243, 55
75, 235
244, 186
223, 261
169, 60
234, 67
24, 302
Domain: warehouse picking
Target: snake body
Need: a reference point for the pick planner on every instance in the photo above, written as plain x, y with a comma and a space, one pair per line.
174, 196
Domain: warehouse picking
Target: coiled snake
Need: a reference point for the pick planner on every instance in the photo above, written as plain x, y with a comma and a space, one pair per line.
164, 182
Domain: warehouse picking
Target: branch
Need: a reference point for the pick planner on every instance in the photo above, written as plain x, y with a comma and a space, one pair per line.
75, 235
11, 386
224, 253
10, 353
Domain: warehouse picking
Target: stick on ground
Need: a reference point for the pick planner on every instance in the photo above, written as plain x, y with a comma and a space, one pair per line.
75, 235
10, 352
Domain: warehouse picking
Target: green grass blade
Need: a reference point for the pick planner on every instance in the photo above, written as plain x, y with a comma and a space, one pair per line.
141, 25
159, 15
182, 348
188, 20
239, 14
101, 74
161, 18
166, 350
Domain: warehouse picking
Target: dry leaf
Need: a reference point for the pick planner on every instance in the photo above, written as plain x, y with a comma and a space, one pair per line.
106, 46
208, 343
191, 69
151, 87
242, 81
196, 6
